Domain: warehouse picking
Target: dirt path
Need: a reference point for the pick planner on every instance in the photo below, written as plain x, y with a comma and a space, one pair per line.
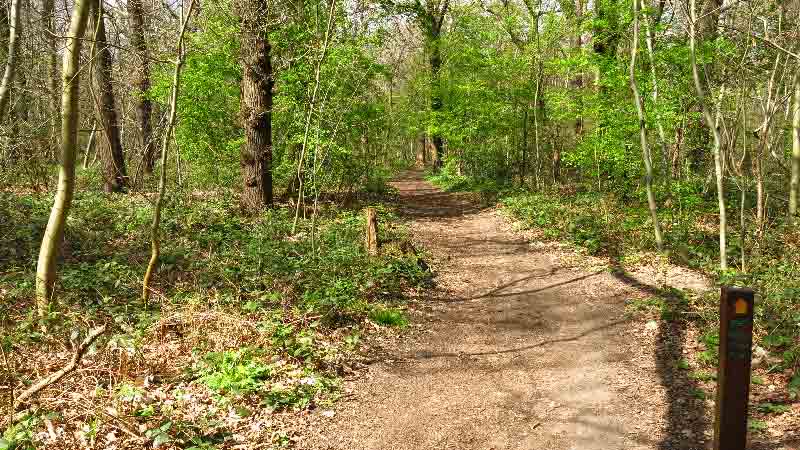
519, 353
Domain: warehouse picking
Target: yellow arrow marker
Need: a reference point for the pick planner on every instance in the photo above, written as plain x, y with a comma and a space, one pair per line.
741, 306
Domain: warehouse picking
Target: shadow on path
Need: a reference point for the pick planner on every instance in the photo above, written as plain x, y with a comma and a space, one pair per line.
498, 291
429, 355
686, 415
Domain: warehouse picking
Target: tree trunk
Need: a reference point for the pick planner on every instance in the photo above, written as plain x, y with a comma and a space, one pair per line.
711, 122
577, 82
743, 194
144, 107
49, 21
794, 183
256, 106
677, 160
436, 98
523, 170
709, 19
770, 109
646, 155
46, 268
421, 153
538, 106
662, 135
758, 173
20, 112
15, 28
115, 177
155, 227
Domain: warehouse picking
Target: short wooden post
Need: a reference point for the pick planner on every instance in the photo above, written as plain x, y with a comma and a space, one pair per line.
733, 376
371, 242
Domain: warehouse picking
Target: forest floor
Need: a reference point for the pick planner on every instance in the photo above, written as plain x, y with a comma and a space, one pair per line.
524, 344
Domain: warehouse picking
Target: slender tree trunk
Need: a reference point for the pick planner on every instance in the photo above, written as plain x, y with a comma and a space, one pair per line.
115, 177
436, 98
310, 112
256, 106
144, 107
46, 268
744, 186
155, 228
771, 94
577, 82
794, 183
662, 136
15, 29
524, 169
389, 123
49, 21
711, 122
646, 155
537, 107
758, 173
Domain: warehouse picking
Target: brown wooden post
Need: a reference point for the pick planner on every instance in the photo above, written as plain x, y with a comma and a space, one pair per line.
371, 242
733, 375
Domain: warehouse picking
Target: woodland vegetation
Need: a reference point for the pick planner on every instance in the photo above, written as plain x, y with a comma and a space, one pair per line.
182, 185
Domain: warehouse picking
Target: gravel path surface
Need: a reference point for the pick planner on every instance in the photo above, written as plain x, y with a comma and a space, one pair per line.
517, 351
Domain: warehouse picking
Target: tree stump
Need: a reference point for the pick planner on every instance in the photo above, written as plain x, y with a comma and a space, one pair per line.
371, 241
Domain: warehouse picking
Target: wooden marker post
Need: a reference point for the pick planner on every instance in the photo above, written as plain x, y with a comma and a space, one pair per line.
733, 375
371, 242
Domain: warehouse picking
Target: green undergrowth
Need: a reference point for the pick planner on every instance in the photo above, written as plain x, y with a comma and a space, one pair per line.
448, 180
246, 317
619, 227
606, 226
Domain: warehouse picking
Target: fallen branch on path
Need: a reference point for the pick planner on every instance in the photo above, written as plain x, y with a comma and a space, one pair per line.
56, 376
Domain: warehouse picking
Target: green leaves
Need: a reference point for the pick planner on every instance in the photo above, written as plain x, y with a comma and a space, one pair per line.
160, 435
233, 371
19, 436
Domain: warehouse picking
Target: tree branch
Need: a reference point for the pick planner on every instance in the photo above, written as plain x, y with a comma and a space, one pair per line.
56, 376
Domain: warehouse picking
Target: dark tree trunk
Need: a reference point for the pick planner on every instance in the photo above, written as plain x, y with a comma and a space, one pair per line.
256, 106
436, 97
606, 33
420, 150
709, 20
115, 177
144, 107
431, 22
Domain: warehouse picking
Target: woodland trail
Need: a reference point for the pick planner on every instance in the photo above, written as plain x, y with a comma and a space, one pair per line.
518, 352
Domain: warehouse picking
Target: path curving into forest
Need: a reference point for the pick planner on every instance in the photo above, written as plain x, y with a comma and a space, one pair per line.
518, 351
